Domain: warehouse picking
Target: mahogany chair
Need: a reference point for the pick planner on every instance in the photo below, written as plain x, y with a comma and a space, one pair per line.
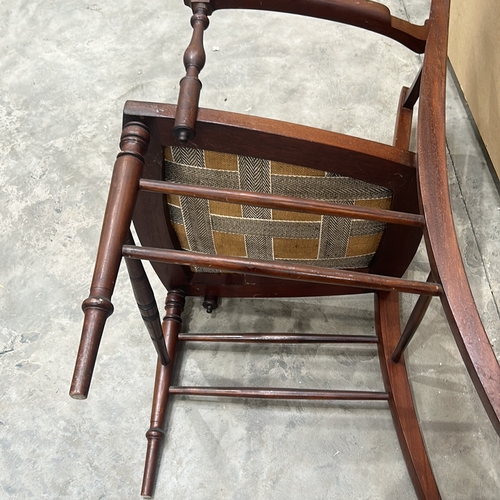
227, 205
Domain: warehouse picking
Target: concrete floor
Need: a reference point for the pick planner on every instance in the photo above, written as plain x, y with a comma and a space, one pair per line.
67, 68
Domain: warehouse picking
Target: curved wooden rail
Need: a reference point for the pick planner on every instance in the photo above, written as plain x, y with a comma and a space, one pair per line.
442, 246
365, 14
238, 134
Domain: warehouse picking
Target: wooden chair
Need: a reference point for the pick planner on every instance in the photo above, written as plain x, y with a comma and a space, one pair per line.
293, 211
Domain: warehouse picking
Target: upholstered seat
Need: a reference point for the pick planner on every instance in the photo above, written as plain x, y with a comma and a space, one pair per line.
214, 227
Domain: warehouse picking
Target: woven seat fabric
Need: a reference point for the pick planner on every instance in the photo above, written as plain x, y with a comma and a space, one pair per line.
211, 227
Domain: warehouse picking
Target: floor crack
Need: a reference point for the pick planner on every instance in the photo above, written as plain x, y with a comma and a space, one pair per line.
406, 11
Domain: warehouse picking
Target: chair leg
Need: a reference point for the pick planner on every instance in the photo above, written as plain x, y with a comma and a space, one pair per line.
146, 303
155, 435
117, 218
416, 317
402, 131
401, 401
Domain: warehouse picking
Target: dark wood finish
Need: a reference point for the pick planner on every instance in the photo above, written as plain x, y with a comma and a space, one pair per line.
416, 317
174, 305
441, 242
190, 85
210, 303
280, 338
115, 230
272, 393
420, 206
413, 93
288, 143
402, 131
147, 304
365, 14
283, 202
282, 270
400, 400
281, 141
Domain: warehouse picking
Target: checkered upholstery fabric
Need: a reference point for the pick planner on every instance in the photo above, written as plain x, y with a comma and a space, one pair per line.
212, 227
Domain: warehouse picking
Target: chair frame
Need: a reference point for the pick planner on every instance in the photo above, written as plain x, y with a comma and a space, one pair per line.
420, 207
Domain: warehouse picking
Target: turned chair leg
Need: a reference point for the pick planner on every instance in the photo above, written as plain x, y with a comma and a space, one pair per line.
146, 303
400, 398
156, 433
115, 229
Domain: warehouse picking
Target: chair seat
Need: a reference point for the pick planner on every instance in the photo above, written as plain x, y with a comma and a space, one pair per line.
219, 228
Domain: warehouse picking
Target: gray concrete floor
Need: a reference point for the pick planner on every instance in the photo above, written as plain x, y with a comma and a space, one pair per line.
67, 68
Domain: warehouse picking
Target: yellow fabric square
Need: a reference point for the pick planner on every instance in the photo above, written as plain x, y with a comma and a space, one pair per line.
227, 209
291, 248
229, 244
174, 199
279, 168
377, 203
221, 161
362, 245
168, 154
295, 216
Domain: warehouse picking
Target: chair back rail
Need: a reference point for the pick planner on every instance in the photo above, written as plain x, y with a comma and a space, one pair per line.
365, 14
276, 140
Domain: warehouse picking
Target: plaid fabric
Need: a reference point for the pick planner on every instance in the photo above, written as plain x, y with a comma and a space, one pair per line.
212, 227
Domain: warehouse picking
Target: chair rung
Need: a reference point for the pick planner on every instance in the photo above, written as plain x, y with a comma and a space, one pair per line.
273, 393
298, 338
306, 273
284, 202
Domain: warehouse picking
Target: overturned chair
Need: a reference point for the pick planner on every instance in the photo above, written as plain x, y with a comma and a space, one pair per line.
227, 205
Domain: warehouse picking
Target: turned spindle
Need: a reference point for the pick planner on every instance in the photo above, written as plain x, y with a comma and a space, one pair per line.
190, 85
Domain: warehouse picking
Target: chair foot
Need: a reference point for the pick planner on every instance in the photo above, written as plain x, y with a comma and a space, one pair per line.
155, 438
97, 310
155, 435
401, 401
